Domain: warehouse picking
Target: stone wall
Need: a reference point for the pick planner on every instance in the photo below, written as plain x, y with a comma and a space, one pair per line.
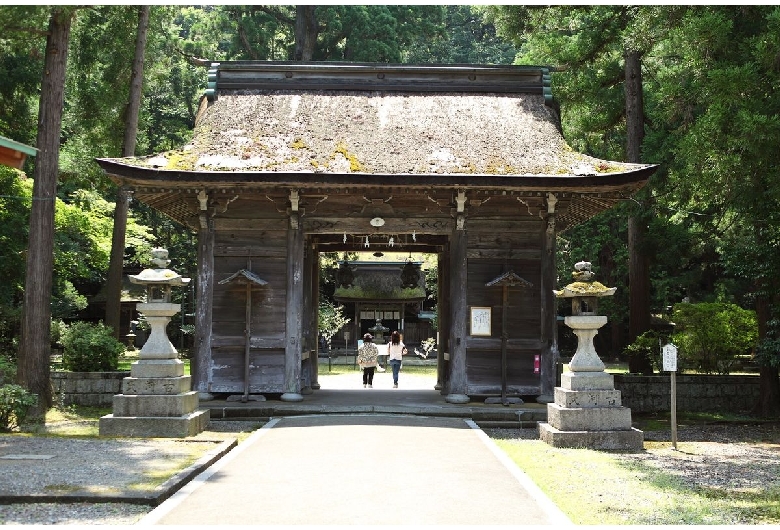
695, 393
90, 389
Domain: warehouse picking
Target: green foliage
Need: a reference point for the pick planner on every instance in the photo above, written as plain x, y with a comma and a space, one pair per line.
67, 301
10, 320
21, 63
710, 336
601, 241
330, 319
647, 346
7, 370
15, 402
467, 37
711, 113
360, 33
374, 33
15, 200
58, 329
90, 347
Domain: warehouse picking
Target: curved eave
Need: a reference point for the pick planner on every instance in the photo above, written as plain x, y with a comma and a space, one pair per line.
129, 175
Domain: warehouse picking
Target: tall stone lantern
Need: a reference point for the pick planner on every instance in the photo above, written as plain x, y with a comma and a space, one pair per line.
587, 411
156, 400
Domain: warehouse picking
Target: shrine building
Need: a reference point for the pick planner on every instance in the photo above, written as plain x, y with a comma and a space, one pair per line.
289, 160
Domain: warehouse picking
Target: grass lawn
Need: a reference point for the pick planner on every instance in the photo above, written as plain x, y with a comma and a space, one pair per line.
608, 488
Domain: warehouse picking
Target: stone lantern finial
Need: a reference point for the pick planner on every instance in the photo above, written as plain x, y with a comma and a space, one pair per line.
159, 281
584, 291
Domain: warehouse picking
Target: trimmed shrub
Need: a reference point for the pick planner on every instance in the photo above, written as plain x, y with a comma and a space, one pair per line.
90, 347
711, 337
15, 402
647, 346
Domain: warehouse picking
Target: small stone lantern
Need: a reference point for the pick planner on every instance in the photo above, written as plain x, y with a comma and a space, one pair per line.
158, 308
156, 400
378, 331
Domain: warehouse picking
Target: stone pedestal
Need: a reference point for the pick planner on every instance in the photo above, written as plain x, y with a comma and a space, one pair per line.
156, 400
587, 411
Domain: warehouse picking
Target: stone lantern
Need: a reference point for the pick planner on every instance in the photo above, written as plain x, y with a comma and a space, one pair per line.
378, 331
587, 411
158, 308
156, 399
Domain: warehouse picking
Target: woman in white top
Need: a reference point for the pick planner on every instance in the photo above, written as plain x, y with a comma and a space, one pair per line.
395, 352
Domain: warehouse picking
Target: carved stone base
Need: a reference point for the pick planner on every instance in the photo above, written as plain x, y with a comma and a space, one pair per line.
630, 440
155, 427
156, 402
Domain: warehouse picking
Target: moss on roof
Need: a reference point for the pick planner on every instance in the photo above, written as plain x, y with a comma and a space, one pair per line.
379, 133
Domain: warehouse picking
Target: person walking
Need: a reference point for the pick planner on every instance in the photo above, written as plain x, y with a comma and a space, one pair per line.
366, 358
396, 349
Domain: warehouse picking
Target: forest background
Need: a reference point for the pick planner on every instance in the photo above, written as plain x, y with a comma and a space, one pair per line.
693, 89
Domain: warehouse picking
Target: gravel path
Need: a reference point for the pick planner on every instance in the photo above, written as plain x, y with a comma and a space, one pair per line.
47, 465
733, 457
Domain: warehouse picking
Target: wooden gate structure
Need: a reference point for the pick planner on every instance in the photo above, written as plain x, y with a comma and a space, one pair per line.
290, 159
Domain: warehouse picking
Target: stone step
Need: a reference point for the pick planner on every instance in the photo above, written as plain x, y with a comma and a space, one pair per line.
507, 424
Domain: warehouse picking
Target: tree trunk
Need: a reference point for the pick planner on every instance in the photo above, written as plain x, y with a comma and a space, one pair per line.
638, 264
34, 345
305, 33
116, 263
635, 112
768, 405
136, 84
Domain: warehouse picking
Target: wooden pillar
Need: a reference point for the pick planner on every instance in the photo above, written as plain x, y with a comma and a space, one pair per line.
549, 324
442, 322
356, 335
458, 312
294, 311
201, 371
313, 305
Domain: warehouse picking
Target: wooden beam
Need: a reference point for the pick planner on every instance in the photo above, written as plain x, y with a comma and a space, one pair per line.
392, 225
230, 225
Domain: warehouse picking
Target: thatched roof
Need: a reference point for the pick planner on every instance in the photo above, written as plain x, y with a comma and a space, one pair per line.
320, 127
382, 119
379, 133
